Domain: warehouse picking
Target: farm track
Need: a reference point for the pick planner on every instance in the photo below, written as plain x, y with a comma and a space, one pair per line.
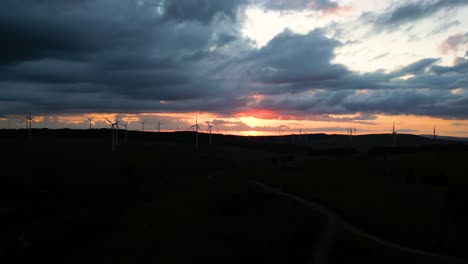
335, 221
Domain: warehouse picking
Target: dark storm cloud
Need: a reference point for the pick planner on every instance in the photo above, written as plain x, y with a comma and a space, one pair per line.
323, 5
145, 56
296, 62
302, 80
396, 101
416, 67
121, 52
293, 63
460, 68
200, 10
402, 14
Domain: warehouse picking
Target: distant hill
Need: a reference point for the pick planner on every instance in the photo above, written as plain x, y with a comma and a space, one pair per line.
286, 143
448, 138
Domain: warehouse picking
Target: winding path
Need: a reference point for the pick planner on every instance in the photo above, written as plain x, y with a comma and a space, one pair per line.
334, 221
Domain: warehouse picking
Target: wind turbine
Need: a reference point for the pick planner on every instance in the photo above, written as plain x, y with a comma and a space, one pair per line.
90, 119
117, 128
209, 129
434, 135
350, 134
306, 135
114, 128
143, 125
29, 120
394, 132
196, 126
126, 129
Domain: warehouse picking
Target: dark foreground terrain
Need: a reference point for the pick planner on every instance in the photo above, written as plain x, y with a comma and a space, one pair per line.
67, 198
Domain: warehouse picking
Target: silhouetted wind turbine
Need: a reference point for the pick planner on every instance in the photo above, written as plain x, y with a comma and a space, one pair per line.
143, 126
117, 128
196, 126
90, 119
29, 120
114, 127
434, 135
159, 127
394, 132
209, 129
126, 129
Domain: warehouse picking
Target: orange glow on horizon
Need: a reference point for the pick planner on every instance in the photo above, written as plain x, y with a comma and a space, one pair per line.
266, 114
256, 122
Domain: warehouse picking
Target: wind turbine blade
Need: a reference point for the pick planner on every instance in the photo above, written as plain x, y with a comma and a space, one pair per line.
110, 122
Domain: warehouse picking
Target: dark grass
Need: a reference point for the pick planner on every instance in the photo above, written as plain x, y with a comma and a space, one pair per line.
67, 198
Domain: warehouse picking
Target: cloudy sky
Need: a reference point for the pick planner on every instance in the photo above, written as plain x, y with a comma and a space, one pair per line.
254, 66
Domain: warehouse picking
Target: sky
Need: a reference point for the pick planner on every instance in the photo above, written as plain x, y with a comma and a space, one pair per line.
250, 67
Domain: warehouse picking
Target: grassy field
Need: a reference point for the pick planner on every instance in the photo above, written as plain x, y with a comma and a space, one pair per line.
68, 198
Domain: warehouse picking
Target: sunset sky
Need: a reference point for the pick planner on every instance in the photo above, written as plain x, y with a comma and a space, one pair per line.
251, 67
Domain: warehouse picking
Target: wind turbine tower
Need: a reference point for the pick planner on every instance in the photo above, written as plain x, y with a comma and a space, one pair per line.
209, 129
159, 127
90, 119
394, 132
196, 126
434, 135
114, 128
126, 129
117, 128
28, 118
143, 126
350, 134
